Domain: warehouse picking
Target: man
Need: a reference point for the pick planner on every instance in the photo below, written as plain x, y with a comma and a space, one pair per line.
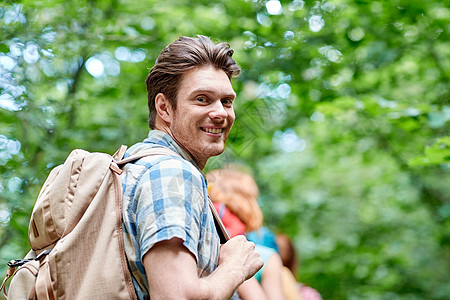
172, 245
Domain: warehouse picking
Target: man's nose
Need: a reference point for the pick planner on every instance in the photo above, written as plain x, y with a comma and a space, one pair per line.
218, 111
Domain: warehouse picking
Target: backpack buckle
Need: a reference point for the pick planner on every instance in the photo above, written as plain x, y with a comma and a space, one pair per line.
113, 166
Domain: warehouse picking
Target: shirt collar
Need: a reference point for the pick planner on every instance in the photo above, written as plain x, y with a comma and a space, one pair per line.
161, 138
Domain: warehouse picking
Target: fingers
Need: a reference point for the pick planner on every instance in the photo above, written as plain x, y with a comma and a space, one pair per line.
242, 253
257, 262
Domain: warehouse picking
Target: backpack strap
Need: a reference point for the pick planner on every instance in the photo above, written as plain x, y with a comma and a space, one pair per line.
153, 151
121, 162
223, 233
9, 273
120, 153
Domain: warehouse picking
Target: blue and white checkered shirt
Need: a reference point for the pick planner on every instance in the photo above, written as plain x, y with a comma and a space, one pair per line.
166, 197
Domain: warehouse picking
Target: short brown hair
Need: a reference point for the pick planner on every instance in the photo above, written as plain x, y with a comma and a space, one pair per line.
239, 192
179, 57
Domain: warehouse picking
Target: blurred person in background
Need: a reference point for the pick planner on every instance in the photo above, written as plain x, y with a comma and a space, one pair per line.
290, 261
234, 194
282, 244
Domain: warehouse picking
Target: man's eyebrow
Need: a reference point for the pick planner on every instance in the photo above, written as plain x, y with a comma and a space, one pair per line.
211, 91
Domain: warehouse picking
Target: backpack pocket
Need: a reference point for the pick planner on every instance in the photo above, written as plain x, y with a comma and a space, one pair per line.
23, 283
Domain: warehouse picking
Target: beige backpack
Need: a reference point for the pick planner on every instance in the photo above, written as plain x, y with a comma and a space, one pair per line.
76, 234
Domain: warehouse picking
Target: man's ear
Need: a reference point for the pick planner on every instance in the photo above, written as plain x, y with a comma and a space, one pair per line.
163, 108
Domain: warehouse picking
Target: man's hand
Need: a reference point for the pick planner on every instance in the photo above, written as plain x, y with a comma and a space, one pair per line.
172, 270
239, 257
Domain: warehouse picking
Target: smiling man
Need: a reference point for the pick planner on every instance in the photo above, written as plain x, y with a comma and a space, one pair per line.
171, 242
204, 113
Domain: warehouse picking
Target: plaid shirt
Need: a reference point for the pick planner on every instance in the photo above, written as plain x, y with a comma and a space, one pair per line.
166, 197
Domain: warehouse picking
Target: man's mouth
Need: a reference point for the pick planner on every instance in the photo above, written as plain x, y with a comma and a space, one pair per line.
212, 130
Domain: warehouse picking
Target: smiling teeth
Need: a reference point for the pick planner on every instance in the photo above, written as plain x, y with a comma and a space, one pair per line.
213, 130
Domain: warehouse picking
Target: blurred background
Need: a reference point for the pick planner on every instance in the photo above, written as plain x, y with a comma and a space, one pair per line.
342, 114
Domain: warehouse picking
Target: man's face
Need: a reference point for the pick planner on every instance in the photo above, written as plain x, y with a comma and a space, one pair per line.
204, 114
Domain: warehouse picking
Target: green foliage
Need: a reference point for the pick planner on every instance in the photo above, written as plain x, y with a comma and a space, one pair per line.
342, 113
438, 153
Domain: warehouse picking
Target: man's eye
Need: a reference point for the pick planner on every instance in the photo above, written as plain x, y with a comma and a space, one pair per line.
202, 99
227, 101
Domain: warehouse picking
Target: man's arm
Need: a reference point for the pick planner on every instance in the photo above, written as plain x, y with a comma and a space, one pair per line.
172, 270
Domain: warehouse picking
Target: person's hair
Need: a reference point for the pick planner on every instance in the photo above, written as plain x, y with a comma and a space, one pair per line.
287, 252
177, 58
239, 192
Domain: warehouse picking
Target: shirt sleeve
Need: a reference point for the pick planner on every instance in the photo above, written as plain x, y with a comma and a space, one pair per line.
169, 203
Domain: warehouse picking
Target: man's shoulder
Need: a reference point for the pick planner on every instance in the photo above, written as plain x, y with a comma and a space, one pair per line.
173, 164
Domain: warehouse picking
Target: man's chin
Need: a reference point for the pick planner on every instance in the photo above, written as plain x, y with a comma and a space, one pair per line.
214, 151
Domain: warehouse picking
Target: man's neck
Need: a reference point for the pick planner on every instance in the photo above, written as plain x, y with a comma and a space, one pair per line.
164, 128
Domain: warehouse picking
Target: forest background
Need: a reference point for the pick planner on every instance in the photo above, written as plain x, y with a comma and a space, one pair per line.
342, 115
